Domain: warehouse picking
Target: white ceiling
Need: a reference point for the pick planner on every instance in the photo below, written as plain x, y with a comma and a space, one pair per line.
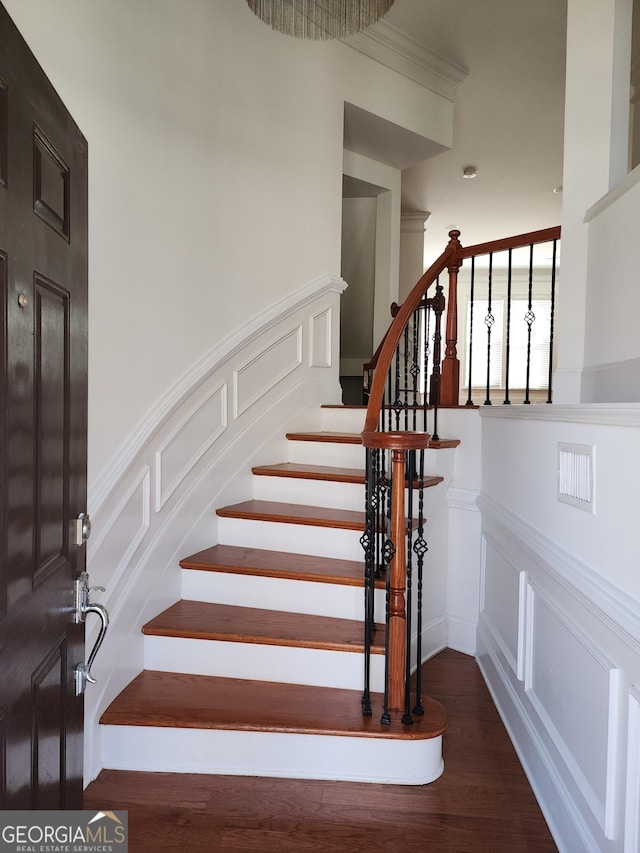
508, 120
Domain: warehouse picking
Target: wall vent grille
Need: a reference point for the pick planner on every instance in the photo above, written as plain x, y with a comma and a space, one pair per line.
576, 475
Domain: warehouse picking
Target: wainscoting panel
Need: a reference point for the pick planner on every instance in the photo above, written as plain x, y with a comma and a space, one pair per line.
190, 456
560, 686
266, 369
632, 822
320, 339
502, 595
574, 717
189, 441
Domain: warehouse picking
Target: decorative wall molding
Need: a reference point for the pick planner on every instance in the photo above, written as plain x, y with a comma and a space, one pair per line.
200, 428
632, 805
570, 705
100, 488
598, 690
397, 51
320, 341
620, 610
192, 459
277, 359
595, 414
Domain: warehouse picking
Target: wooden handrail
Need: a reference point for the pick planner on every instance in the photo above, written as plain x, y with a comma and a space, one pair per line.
397, 327
450, 259
546, 235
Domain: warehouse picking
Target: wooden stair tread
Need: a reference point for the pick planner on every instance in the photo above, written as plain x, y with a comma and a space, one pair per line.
317, 516
314, 516
311, 472
277, 564
180, 700
204, 621
322, 435
301, 471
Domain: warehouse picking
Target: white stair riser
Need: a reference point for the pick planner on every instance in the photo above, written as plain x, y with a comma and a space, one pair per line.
327, 453
310, 492
293, 596
260, 662
337, 495
290, 756
299, 538
342, 419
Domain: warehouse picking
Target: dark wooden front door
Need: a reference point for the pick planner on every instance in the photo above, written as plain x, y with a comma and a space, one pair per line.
43, 388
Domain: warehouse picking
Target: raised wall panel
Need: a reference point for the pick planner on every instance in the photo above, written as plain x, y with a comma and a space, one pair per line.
3, 754
51, 184
632, 805
561, 687
51, 379
4, 124
502, 603
188, 443
320, 339
266, 369
3, 427
127, 525
48, 756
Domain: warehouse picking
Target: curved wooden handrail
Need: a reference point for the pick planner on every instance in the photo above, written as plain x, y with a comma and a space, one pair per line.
397, 327
452, 258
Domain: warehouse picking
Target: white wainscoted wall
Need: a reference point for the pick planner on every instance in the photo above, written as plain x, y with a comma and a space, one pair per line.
193, 452
559, 628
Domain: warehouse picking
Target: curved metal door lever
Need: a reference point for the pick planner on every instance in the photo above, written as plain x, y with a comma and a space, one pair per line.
82, 606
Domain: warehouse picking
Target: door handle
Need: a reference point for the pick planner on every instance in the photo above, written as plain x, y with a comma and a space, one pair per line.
83, 606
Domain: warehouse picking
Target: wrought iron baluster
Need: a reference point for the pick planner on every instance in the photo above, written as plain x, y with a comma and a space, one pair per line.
419, 549
551, 319
426, 337
415, 367
471, 305
529, 318
489, 320
507, 401
388, 550
407, 719
438, 309
368, 544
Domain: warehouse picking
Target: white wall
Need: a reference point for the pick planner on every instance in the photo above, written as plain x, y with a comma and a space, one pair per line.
593, 297
559, 631
215, 150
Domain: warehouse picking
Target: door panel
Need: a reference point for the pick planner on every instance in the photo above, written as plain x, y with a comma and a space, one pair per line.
43, 382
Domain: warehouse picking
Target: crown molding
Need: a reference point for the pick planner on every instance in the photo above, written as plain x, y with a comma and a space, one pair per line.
391, 47
414, 222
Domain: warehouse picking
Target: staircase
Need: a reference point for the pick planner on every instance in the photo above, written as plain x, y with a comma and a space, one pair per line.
258, 669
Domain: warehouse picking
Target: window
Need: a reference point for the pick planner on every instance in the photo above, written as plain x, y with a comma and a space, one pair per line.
517, 339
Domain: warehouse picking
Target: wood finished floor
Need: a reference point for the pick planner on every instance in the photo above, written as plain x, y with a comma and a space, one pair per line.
482, 802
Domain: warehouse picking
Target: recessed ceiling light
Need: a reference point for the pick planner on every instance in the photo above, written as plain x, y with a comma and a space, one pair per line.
469, 172
557, 189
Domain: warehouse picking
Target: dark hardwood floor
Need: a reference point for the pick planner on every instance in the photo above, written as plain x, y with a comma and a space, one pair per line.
482, 802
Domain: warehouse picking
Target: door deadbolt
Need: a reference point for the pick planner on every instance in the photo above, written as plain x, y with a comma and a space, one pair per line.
82, 529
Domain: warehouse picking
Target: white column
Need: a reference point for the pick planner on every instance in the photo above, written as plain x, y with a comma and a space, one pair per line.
412, 228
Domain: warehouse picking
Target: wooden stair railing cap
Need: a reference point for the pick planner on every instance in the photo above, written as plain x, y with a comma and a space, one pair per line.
396, 440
